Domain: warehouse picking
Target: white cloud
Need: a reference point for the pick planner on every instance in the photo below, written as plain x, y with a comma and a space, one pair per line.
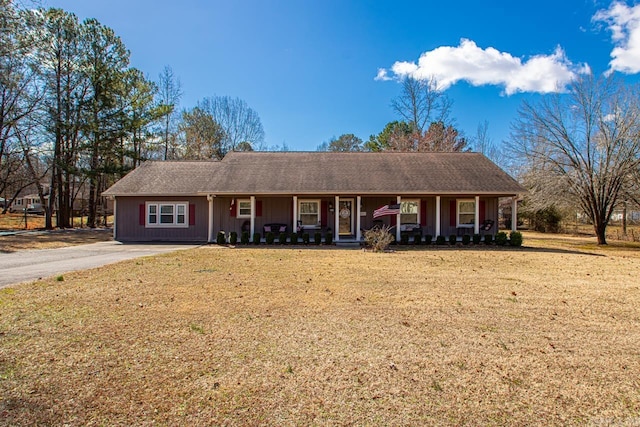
624, 23
449, 65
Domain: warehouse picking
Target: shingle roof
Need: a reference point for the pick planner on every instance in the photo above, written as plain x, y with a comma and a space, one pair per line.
322, 173
166, 178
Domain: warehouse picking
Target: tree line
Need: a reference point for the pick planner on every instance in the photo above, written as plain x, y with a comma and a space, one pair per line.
425, 124
75, 116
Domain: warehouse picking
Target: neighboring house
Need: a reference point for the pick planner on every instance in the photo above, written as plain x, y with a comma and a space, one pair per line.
439, 194
30, 202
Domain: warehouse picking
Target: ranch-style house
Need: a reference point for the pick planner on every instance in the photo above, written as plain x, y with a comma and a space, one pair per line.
306, 192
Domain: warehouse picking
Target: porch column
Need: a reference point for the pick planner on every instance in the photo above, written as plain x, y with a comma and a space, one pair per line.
358, 234
336, 221
294, 220
210, 229
437, 216
514, 213
398, 201
476, 222
252, 227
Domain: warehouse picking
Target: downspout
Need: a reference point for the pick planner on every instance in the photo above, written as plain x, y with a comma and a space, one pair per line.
115, 222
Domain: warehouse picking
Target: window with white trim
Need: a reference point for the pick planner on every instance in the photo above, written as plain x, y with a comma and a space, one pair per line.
466, 213
244, 208
410, 212
309, 213
161, 214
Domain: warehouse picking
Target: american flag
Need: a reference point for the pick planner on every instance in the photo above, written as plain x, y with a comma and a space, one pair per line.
386, 210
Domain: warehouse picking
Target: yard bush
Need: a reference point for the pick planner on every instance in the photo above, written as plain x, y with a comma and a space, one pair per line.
328, 238
453, 239
244, 238
378, 239
294, 238
269, 238
440, 240
428, 239
233, 238
501, 238
476, 239
282, 238
317, 237
466, 239
221, 239
488, 239
256, 238
417, 239
515, 238
305, 238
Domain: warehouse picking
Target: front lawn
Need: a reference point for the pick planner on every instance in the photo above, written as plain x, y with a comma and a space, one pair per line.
547, 334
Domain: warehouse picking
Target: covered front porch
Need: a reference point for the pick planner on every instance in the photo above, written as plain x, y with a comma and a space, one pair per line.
347, 216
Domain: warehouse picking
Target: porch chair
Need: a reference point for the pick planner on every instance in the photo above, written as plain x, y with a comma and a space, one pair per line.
487, 225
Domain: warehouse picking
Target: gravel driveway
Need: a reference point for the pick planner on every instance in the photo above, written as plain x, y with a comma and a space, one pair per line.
29, 265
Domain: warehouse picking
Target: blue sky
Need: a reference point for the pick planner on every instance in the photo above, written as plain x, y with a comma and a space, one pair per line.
317, 69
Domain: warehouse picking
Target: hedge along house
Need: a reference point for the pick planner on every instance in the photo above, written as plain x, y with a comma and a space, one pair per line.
304, 192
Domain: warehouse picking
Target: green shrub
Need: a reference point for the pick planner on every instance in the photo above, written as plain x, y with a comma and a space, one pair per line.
244, 238
501, 238
440, 240
466, 239
476, 239
488, 239
515, 238
305, 238
256, 238
294, 238
417, 239
328, 238
453, 239
233, 238
221, 239
282, 238
428, 239
269, 238
404, 239
317, 237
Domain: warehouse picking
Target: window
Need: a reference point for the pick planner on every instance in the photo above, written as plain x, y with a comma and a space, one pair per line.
410, 212
309, 213
244, 208
167, 214
466, 213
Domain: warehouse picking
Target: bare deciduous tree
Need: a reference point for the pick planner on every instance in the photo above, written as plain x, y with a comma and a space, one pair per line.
422, 102
202, 135
169, 94
241, 124
583, 145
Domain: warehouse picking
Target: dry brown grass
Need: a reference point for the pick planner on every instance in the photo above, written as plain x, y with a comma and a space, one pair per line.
15, 221
284, 336
53, 239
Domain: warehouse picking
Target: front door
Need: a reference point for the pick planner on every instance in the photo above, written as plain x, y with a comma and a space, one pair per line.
346, 215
